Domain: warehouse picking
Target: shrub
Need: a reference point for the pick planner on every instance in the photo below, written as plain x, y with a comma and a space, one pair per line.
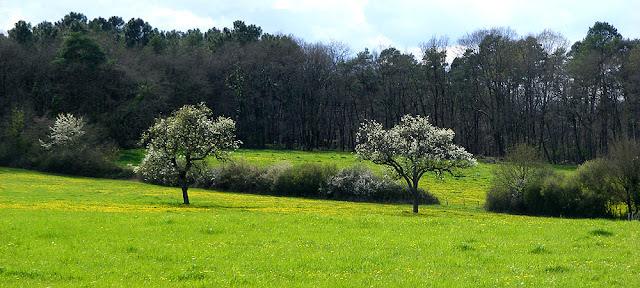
238, 176
559, 196
304, 180
596, 187
523, 171
271, 174
83, 163
358, 183
499, 199
582, 194
76, 148
394, 192
353, 183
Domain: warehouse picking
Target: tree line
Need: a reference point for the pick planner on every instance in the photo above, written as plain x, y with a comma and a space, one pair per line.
502, 89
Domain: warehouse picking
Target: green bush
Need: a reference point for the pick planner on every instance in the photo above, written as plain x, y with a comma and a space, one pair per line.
238, 176
304, 180
521, 172
518, 198
596, 187
499, 199
582, 194
559, 197
88, 163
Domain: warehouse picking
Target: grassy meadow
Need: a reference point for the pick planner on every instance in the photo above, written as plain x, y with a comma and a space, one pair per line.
60, 231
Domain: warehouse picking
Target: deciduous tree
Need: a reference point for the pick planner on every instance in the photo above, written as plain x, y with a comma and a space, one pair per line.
189, 135
412, 148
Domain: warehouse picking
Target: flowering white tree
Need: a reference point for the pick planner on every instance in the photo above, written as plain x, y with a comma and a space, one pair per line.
188, 135
65, 132
412, 148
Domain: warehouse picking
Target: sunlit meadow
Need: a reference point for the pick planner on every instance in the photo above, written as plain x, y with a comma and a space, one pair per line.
65, 231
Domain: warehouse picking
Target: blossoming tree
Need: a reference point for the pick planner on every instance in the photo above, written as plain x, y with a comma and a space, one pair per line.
412, 148
174, 144
65, 132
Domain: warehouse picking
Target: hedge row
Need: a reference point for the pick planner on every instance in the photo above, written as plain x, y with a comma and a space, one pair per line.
312, 180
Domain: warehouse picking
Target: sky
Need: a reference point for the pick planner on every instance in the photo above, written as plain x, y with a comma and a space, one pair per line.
360, 24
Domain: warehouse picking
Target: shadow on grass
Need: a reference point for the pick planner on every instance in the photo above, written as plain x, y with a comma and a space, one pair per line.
208, 206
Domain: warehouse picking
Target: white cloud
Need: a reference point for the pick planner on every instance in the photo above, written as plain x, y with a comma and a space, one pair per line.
330, 19
416, 52
382, 42
9, 17
183, 20
304, 6
359, 23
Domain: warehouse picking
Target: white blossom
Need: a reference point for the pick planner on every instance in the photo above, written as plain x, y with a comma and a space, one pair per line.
65, 132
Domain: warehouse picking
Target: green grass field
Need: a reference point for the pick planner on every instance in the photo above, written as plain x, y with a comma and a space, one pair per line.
78, 232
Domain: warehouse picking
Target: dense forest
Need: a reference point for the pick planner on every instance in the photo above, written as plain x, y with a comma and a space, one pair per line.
571, 102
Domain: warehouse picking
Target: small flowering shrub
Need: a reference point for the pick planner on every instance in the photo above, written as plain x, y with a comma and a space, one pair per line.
358, 183
74, 147
67, 132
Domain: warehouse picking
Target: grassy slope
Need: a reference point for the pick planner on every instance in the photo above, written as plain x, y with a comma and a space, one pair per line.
64, 231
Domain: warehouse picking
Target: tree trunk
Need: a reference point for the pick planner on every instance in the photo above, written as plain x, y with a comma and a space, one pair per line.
185, 196
628, 202
416, 198
183, 185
